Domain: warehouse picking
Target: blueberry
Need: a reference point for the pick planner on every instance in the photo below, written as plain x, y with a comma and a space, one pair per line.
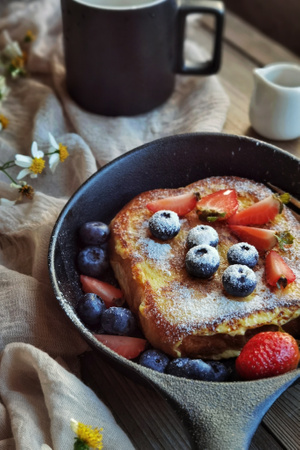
195, 369
202, 234
221, 370
243, 253
92, 261
164, 224
239, 280
154, 359
177, 367
90, 309
202, 261
94, 233
118, 320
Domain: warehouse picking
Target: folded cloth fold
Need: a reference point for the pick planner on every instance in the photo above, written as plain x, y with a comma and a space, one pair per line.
37, 104
41, 398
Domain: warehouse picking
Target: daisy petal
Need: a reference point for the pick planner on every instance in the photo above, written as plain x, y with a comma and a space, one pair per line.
36, 153
23, 161
6, 202
53, 161
53, 141
23, 174
34, 149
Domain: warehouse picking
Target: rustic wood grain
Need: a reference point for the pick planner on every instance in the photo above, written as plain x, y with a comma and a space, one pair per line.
245, 48
276, 18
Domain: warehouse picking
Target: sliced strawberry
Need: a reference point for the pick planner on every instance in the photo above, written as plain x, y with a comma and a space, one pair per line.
260, 212
129, 347
261, 238
111, 295
278, 273
181, 204
219, 205
268, 354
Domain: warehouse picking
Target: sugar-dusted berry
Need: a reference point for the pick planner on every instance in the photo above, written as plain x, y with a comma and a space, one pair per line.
164, 224
239, 280
243, 253
202, 234
202, 261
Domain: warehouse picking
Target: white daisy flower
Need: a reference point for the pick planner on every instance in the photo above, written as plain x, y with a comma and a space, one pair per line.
31, 165
58, 153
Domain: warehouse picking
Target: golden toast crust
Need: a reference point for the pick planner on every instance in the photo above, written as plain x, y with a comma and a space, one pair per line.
183, 315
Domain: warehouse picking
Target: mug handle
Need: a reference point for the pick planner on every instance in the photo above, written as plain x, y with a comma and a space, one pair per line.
213, 7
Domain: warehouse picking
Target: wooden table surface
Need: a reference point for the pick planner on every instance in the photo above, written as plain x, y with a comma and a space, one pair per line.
144, 415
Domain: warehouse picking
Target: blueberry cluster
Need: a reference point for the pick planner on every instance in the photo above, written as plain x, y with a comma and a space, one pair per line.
202, 259
115, 320
92, 259
195, 369
239, 280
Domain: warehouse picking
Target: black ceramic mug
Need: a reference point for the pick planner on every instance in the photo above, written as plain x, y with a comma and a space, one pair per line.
121, 56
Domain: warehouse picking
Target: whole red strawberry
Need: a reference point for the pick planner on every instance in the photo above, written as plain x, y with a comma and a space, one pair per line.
268, 354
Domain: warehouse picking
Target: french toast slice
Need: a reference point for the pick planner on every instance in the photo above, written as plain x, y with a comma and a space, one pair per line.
187, 316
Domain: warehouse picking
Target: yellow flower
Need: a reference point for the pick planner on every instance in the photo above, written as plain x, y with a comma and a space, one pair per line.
32, 165
86, 435
3, 122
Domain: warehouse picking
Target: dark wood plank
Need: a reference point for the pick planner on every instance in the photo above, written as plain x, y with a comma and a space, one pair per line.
144, 415
283, 419
264, 440
255, 45
151, 423
275, 18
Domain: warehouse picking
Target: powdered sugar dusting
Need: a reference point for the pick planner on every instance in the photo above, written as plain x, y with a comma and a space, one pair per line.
159, 253
190, 311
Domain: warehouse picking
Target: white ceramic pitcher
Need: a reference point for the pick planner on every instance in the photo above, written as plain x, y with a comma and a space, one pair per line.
275, 103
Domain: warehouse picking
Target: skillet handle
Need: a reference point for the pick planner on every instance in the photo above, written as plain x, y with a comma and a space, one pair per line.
222, 416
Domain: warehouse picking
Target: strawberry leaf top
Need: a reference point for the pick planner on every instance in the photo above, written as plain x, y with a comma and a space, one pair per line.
284, 238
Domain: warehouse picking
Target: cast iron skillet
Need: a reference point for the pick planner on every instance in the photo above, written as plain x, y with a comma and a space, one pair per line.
218, 415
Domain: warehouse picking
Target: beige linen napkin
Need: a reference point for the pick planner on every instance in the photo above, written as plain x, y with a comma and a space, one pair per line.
41, 397
29, 313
